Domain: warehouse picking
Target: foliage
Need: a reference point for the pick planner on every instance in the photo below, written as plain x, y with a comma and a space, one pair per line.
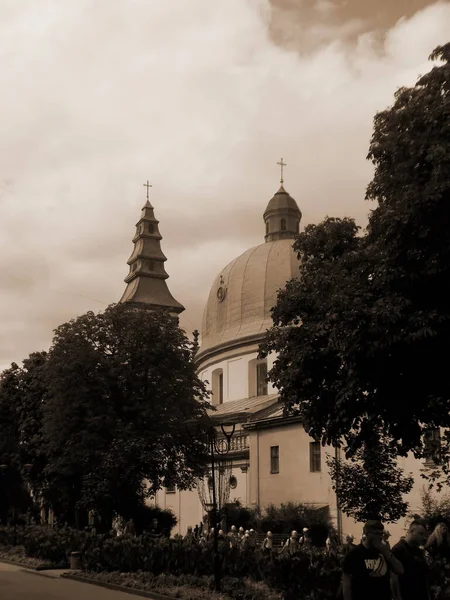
291, 516
98, 418
374, 309
14, 496
150, 556
188, 587
371, 485
435, 508
241, 516
144, 516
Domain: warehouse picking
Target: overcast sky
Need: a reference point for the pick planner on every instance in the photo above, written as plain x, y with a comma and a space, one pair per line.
201, 97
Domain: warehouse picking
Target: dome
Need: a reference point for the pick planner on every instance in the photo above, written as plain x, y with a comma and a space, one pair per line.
239, 306
283, 201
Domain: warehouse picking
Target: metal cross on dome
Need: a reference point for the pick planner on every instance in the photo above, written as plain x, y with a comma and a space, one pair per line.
282, 164
148, 185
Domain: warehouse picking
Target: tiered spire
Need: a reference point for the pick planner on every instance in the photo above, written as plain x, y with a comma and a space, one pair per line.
146, 281
282, 215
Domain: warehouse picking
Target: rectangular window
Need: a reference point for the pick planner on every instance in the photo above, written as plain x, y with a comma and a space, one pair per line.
274, 459
261, 379
220, 386
432, 446
170, 489
315, 457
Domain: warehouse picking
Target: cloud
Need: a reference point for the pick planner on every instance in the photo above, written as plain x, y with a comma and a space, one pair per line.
202, 100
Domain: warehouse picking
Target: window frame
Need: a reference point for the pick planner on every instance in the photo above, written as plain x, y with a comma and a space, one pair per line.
274, 460
261, 385
432, 454
315, 457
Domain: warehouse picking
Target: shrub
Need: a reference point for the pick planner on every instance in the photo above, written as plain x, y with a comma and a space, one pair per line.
435, 509
144, 515
297, 574
291, 515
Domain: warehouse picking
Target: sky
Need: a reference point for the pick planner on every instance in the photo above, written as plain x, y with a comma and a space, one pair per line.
200, 97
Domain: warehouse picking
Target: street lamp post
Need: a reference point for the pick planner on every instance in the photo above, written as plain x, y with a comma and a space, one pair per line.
220, 446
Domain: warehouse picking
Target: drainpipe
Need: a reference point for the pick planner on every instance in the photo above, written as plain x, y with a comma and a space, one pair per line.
337, 456
179, 511
258, 499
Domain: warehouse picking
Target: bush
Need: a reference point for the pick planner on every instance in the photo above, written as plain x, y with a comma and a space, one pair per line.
241, 516
291, 515
144, 515
435, 509
297, 574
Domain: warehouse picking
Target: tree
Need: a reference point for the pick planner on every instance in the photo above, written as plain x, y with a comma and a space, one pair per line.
14, 496
121, 384
374, 309
371, 485
30, 415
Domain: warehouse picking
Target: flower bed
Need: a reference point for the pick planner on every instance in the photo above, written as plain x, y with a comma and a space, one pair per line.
16, 554
186, 587
302, 573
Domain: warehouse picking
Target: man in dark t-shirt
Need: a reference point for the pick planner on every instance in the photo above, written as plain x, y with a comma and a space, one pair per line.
413, 584
367, 568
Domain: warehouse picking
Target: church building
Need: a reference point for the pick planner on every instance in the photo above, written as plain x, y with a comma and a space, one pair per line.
272, 460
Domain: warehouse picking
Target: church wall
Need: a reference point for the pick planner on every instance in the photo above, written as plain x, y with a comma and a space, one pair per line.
186, 504
294, 482
235, 376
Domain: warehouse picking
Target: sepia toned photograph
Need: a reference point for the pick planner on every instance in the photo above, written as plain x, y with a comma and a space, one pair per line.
225, 310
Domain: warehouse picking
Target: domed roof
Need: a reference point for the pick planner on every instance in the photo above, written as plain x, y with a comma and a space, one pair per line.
242, 296
282, 201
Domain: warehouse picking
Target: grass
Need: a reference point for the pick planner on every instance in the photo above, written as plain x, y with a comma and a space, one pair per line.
17, 554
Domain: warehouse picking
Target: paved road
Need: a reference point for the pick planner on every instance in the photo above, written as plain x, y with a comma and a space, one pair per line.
18, 584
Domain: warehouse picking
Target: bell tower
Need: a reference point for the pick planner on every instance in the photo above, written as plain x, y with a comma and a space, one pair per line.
146, 280
282, 215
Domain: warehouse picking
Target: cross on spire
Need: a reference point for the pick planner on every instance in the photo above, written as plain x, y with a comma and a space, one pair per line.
149, 185
282, 164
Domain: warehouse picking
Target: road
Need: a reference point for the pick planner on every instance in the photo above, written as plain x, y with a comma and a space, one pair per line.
19, 584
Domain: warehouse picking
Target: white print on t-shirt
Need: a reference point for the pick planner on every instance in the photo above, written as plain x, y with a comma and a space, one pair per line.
377, 567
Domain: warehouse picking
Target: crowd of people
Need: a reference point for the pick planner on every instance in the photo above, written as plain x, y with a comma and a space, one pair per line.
248, 539
371, 569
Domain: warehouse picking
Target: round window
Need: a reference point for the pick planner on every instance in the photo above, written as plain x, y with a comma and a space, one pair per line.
233, 482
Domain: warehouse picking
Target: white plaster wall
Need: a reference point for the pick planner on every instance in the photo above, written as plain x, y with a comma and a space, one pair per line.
186, 504
235, 376
296, 483
240, 493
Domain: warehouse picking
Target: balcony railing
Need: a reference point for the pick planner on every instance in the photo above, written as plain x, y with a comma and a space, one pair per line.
238, 442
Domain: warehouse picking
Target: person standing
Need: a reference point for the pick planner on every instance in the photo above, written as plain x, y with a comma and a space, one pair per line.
413, 584
366, 569
267, 545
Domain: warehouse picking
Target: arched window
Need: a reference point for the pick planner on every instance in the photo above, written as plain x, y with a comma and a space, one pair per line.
257, 378
283, 224
267, 227
217, 386
151, 265
261, 379
150, 227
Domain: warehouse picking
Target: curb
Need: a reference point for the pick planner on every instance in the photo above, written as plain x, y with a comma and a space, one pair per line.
25, 566
117, 588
